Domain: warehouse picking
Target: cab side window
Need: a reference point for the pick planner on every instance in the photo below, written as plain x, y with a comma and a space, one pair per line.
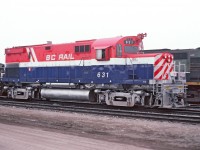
119, 50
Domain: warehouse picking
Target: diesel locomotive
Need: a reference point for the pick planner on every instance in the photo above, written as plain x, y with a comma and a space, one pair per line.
110, 70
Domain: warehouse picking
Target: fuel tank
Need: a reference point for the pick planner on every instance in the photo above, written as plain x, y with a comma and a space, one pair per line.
68, 94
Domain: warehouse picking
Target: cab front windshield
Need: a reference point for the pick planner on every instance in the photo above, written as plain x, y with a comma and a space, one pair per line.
131, 49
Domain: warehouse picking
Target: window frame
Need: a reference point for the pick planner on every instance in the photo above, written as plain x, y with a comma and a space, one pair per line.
82, 48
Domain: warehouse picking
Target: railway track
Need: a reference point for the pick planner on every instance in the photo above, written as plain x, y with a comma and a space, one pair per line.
173, 115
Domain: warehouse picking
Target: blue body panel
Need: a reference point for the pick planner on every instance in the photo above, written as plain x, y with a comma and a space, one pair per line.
109, 74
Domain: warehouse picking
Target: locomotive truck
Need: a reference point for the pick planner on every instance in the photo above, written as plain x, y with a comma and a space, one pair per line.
109, 70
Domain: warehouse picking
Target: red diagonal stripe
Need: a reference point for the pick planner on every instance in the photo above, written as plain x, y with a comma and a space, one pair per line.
160, 68
165, 70
158, 60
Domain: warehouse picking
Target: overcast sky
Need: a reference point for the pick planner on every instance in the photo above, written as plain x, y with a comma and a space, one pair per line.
169, 24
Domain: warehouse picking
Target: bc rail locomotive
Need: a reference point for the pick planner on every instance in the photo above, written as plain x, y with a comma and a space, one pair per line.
109, 70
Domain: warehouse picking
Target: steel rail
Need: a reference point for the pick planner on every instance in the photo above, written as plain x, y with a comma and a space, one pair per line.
106, 111
183, 110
